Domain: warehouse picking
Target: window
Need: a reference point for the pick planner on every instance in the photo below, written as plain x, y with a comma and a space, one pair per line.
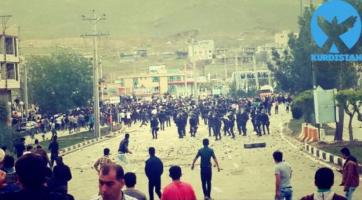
155, 79
135, 82
9, 45
11, 70
174, 78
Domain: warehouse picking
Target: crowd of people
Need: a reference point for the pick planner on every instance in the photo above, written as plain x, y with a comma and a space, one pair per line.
219, 114
33, 175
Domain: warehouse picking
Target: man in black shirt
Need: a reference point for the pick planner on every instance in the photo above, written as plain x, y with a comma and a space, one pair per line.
54, 150
20, 147
61, 176
206, 154
123, 149
154, 170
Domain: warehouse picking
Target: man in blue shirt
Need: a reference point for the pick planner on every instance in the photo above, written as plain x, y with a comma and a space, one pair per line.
206, 154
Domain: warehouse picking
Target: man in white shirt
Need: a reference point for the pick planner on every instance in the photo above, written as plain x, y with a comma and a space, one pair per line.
283, 174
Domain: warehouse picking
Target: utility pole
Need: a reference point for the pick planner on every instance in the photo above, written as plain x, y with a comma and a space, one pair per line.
225, 68
236, 61
193, 62
101, 80
185, 79
22, 62
194, 75
4, 22
94, 19
255, 73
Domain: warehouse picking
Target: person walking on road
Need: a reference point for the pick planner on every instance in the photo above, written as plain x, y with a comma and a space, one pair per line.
206, 154
178, 190
283, 174
54, 151
154, 127
350, 173
123, 149
154, 170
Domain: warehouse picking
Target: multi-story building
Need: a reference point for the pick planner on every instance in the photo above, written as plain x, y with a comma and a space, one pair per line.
247, 80
201, 50
9, 62
156, 81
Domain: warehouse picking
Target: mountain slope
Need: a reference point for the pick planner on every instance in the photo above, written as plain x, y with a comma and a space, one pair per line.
151, 18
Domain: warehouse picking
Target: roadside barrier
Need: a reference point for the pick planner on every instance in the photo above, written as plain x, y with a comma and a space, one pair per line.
309, 133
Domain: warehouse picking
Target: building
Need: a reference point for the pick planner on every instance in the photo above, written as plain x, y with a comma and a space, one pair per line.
201, 50
249, 80
9, 62
156, 81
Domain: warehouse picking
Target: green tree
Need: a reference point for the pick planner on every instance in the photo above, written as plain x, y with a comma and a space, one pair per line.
8, 136
293, 68
304, 102
349, 100
4, 112
60, 81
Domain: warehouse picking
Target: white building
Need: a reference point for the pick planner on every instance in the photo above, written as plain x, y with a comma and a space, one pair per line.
201, 50
9, 62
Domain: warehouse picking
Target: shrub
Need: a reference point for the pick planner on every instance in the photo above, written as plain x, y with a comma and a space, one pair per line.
305, 103
297, 112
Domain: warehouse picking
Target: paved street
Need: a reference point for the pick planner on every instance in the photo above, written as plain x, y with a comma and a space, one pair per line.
246, 173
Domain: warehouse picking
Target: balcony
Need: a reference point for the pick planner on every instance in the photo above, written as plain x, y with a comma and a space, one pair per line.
12, 84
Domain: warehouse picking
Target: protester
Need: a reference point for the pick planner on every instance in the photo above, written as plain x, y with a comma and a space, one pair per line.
103, 160
283, 174
154, 170
130, 181
20, 147
61, 176
350, 173
123, 149
324, 180
9, 168
54, 150
31, 172
177, 190
29, 149
154, 127
111, 182
206, 154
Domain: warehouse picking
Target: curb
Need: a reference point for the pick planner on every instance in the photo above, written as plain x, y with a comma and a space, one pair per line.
326, 157
90, 142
